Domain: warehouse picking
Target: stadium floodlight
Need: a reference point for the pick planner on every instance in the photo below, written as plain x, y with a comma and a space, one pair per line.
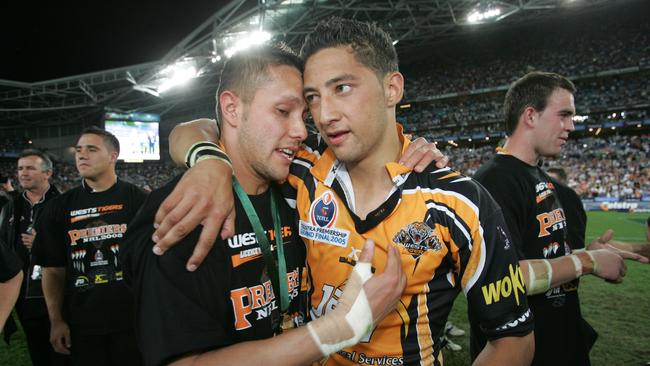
579, 118
246, 41
177, 74
480, 16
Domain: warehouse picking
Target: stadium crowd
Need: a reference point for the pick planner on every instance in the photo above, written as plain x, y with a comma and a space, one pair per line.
498, 60
612, 166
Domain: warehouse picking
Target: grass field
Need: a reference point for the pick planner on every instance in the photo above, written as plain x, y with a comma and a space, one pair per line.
619, 313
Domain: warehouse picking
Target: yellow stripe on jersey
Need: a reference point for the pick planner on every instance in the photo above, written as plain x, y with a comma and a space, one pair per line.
450, 175
425, 339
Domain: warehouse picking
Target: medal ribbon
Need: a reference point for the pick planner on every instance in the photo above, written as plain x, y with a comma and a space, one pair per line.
278, 273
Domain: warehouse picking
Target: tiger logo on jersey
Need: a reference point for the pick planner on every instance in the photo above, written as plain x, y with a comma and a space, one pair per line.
417, 238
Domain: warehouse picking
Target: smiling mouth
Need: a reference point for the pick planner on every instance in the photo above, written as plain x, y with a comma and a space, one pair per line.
288, 153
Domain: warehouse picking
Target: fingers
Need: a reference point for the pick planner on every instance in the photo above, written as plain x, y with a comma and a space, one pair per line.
606, 236
394, 261
628, 255
61, 343
204, 245
368, 251
177, 223
228, 227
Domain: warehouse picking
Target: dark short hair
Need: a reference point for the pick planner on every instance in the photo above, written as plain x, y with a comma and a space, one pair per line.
246, 70
109, 139
532, 90
372, 46
561, 173
46, 162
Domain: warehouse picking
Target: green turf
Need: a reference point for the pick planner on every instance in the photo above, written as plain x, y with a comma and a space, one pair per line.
619, 313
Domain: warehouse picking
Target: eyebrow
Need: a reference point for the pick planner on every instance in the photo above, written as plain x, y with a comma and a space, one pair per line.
88, 146
328, 83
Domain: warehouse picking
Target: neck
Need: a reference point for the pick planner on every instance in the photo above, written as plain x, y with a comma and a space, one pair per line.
102, 182
36, 194
521, 149
252, 183
372, 169
371, 181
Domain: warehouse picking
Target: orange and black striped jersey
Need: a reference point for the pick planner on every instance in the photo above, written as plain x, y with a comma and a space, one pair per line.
451, 235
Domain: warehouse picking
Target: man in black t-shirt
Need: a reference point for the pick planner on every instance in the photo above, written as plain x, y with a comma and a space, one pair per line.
78, 238
10, 278
539, 109
228, 310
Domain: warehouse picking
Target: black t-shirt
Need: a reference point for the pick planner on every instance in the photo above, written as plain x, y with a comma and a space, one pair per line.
538, 227
228, 299
84, 231
10, 265
576, 217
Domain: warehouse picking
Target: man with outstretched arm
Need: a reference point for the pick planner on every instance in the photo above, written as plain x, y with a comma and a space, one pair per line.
449, 231
539, 110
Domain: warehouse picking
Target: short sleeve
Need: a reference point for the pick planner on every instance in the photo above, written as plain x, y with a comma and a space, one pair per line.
10, 264
497, 301
49, 248
177, 312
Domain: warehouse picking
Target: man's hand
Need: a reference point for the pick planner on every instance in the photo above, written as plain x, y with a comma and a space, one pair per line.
202, 196
60, 337
634, 252
384, 290
421, 153
608, 265
28, 240
365, 300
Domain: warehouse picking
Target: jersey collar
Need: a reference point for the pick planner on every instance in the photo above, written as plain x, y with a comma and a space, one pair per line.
328, 168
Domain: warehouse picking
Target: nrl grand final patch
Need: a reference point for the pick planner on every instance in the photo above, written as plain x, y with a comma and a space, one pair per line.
322, 218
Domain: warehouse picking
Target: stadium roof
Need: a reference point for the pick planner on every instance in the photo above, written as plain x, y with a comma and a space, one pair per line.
414, 24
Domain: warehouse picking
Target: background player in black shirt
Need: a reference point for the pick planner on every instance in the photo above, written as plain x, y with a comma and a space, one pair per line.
539, 109
78, 238
18, 219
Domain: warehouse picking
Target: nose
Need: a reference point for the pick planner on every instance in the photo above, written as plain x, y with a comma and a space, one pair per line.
297, 129
569, 125
328, 111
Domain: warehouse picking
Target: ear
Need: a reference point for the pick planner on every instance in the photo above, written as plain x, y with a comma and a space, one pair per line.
528, 117
114, 156
393, 88
229, 104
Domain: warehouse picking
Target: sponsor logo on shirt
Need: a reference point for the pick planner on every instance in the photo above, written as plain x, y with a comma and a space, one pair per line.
248, 239
522, 319
510, 285
543, 190
417, 238
324, 210
363, 359
258, 302
87, 213
551, 221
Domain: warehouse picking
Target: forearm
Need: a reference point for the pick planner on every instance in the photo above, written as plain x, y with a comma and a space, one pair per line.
508, 351
53, 288
562, 270
184, 135
8, 295
295, 347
